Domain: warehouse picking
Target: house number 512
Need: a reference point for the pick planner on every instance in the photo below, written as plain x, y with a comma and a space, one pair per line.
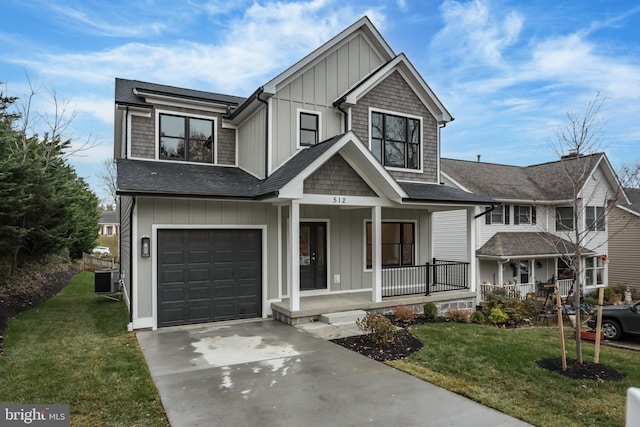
340, 200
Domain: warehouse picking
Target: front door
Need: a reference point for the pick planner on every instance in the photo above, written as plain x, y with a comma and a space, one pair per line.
313, 256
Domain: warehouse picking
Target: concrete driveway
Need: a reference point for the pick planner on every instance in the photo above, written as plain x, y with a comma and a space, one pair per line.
266, 373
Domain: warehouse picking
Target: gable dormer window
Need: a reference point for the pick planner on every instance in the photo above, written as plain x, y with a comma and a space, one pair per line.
396, 139
184, 138
308, 128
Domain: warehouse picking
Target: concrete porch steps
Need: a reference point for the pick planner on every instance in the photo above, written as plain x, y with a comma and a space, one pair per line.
342, 316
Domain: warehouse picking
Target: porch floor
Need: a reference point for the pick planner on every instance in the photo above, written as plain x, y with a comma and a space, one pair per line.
312, 307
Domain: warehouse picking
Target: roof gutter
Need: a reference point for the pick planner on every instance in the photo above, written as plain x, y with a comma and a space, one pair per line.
338, 105
486, 211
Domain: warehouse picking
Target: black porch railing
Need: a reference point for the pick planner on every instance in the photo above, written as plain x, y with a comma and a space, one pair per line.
438, 276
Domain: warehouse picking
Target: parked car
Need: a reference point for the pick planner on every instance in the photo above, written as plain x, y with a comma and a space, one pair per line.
618, 320
101, 251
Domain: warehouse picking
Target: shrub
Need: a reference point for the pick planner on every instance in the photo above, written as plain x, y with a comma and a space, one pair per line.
519, 311
458, 316
403, 314
430, 311
377, 326
477, 317
497, 316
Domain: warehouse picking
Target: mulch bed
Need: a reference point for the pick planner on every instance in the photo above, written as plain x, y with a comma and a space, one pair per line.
586, 371
403, 345
27, 290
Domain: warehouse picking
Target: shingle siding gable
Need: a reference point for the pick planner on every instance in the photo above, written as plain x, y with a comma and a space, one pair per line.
394, 94
337, 177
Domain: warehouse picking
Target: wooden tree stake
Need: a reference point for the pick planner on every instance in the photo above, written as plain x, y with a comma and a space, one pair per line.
560, 324
596, 355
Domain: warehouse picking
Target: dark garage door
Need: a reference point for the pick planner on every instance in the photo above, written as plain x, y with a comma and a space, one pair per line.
208, 275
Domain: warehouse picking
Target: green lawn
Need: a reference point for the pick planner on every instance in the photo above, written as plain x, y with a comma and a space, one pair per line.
497, 367
75, 349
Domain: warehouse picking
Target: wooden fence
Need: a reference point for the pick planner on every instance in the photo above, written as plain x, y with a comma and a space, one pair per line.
92, 262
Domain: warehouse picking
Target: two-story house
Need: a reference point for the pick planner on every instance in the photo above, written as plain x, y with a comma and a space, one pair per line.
624, 242
530, 238
315, 194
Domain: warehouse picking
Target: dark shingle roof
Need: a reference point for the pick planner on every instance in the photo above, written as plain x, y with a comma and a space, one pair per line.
442, 193
125, 93
108, 217
547, 181
524, 244
187, 180
634, 197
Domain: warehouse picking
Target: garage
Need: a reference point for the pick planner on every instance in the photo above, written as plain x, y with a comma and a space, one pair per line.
209, 275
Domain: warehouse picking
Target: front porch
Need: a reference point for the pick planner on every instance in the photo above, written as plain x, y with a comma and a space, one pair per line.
522, 290
312, 307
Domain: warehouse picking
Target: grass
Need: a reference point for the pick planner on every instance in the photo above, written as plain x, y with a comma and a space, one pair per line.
497, 367
75, 349
112, 243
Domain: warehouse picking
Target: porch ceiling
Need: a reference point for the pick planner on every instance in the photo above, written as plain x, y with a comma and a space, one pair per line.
527, 245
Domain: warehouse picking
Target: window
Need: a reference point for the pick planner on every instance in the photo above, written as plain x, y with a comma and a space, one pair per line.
524, 215
398, 244
564, 270
309, 128
595, 216
109, 230
594, 271
395, 140
564, 218
499, 215
186, 138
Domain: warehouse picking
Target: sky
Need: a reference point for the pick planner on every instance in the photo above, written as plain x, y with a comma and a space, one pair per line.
508, 71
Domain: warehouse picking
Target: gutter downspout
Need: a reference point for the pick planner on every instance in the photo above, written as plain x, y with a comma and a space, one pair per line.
133, 205
486, 211
338, 105
266, 132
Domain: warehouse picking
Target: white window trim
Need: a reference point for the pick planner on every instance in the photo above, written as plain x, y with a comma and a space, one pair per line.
364, 240
410, 116
316, 113
214, 119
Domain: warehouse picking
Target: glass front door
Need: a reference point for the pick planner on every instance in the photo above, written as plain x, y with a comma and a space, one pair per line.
313, 256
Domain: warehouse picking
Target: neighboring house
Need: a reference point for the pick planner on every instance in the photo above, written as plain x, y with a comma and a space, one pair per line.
108, 223
314, 194
624, 242
526, 240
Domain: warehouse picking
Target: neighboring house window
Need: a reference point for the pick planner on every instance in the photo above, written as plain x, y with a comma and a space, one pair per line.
595, 216
398, 244
594, 271
186, 138
564, 270
395, 140
524, 215
499, 215
564, 218
109, 230
309, 128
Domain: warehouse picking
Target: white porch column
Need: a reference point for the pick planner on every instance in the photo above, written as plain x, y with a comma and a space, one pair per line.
293, 260
532, 271
376, 253
471, 248
500, 273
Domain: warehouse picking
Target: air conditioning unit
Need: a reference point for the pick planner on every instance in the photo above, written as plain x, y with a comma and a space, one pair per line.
106, 282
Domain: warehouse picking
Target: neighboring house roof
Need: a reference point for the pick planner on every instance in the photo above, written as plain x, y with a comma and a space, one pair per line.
108, 217
128, 93
543, 182
527, 245
634, 198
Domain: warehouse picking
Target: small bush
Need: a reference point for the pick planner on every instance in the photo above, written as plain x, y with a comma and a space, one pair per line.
403, 314
378, 327
477, 317
430, 311
519, 311
497, 316
458, 316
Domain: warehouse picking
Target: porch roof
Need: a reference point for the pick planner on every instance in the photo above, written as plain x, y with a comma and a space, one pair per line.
527, 245
438, 193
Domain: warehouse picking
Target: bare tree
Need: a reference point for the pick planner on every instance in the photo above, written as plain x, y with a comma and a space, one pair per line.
579, 144
629, 174
108, 177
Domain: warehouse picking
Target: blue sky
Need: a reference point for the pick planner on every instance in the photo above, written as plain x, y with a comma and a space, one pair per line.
508, 71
